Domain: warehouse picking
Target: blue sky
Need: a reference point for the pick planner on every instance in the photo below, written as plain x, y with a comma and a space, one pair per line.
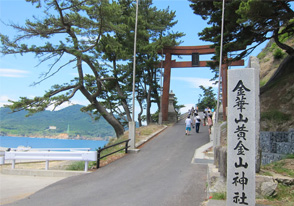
17, 73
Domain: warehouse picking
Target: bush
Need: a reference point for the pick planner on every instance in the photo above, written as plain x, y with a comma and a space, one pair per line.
261, 55
278, 53
80, 166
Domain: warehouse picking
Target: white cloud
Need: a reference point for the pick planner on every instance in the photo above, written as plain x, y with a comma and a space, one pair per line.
186, 108
196, 82
14, 73
67, 104
4, 100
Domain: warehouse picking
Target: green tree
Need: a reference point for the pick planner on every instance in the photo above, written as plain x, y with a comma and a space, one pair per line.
79, 26
207, 99
158, 24
90, 36
247, 25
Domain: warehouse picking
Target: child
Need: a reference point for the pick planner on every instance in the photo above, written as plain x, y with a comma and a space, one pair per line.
188, 125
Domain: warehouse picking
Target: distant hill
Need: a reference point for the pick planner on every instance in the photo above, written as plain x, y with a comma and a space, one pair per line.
79, 124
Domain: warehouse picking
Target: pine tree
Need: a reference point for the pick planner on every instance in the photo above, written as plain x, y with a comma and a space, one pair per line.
91, 36
247, 25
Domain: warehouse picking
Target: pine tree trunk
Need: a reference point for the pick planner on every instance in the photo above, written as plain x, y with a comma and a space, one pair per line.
117, 126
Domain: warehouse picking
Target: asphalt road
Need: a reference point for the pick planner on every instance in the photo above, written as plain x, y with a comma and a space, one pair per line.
161, 174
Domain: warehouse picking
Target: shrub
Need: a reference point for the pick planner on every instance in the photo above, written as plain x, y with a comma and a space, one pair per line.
261, 55
278, 53
79, 166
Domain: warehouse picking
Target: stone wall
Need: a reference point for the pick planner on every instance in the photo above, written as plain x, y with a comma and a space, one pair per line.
275, 145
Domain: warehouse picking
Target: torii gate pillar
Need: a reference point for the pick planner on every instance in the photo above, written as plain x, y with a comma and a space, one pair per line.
166, 86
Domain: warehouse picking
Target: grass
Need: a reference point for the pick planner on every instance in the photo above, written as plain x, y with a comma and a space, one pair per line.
263, 82
79, 166
280, 166
284, 193
266, 173
284, 197
262, 54
289, 156
219, 196
275, 115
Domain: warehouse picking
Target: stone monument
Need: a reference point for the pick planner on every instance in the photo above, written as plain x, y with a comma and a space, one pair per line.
242, 95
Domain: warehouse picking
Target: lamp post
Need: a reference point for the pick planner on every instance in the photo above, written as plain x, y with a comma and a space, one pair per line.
132, 124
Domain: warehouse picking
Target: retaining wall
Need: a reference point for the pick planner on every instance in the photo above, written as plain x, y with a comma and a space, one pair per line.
275, 145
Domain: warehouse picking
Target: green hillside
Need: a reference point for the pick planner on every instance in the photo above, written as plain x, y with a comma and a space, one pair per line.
78, 123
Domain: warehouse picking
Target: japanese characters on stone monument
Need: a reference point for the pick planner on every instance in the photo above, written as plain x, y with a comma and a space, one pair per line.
241, 137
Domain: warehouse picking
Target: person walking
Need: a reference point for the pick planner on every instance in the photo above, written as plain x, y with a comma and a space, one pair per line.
197, 122
193, 120
209, 122
188, 125
204, 118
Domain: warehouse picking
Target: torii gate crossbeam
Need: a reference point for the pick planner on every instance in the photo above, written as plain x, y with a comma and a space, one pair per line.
188, 50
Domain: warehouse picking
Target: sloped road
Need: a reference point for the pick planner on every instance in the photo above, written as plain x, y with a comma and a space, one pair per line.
161, 174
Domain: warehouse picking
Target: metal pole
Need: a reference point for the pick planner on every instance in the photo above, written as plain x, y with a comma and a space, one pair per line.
134, 64
132, 125
220, 61
161, 88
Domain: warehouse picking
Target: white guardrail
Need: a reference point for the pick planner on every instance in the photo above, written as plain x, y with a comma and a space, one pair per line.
49, 154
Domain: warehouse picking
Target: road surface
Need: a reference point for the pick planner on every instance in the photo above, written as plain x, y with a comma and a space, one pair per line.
161, 174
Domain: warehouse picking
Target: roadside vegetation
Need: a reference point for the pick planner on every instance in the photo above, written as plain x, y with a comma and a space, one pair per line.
283, 167
284, 193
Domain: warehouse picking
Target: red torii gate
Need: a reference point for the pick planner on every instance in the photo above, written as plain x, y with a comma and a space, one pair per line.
188, 50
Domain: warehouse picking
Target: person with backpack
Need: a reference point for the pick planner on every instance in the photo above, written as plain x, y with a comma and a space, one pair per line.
197, 122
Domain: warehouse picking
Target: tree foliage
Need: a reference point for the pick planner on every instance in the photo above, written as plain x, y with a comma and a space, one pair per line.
93, 37
247, 24
207, 99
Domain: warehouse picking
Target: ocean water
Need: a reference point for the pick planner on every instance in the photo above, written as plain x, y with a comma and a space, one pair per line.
14, 142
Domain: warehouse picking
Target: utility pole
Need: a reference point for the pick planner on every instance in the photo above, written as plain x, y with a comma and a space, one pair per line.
132, 124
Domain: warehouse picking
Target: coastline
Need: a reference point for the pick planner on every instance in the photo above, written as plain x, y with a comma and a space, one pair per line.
60, 136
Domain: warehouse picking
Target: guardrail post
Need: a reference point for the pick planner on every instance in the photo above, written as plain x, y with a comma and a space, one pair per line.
47, 165
13, 164
127, 142
98, 159
86, 166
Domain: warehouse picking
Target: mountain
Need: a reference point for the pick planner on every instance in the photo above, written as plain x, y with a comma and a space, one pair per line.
54, 123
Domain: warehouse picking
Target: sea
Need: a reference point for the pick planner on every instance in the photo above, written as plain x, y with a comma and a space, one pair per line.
14, 142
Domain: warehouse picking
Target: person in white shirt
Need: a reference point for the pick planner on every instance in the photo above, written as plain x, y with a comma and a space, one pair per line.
188, 122
197, 122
